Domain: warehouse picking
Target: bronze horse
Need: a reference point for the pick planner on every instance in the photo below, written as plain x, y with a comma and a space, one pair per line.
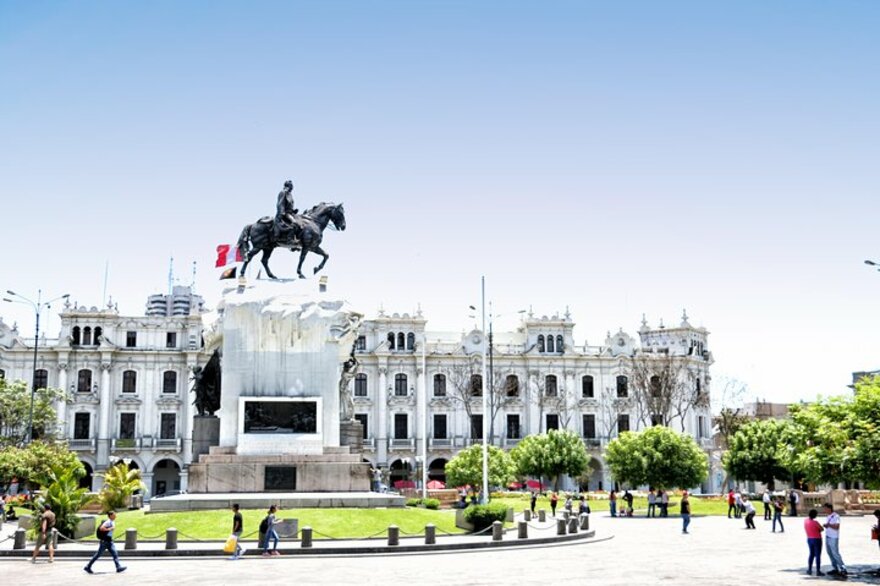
264, 236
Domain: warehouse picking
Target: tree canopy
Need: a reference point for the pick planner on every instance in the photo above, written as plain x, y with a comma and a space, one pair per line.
837, 439
757, 451
658, 457
551, 454
15, 406
466, 468
38, 462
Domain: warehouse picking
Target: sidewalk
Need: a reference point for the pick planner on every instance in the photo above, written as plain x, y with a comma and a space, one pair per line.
538, 534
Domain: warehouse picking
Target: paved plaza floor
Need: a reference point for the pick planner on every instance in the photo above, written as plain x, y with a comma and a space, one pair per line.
626, 551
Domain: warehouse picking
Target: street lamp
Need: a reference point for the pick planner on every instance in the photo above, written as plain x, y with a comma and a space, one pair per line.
38, 307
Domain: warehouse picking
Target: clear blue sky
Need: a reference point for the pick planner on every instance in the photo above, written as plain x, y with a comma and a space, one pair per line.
618, 158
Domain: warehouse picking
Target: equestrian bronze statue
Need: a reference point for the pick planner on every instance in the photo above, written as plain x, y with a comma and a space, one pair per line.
290, 230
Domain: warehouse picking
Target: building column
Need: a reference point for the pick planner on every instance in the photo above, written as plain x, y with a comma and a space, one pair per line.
382, 427
103, 448
571, 399
147, 477
184, 480
64, 430
186, 418
421, 443
148, 396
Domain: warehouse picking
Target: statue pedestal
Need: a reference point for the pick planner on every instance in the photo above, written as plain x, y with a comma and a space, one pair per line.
206, 434
351, 434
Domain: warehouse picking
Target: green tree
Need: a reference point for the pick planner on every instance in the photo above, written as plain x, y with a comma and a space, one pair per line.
756, 452
15, 407
837, 439
120, 482
551, 454
658, 457
63, 493
36, 462
467, 467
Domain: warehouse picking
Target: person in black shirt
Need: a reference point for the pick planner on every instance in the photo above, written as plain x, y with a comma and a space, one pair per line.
685, 512
237, 530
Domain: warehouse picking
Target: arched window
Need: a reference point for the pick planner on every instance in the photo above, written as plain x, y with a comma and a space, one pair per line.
439, 385
401, 341
98, 333
541, 343
560, 346
129, 381
360, 385
87, 336
169, 381
410, 341
622, 386
400, 387
550, 388
41, 379
391, 340
75, 335
550, 346
655, 386
476, 385
587, 387
511, 385
84, 381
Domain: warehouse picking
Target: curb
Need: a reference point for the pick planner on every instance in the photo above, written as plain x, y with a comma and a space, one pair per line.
313, 551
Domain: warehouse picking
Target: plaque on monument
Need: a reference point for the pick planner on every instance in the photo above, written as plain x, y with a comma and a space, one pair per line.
280, 478
280, 417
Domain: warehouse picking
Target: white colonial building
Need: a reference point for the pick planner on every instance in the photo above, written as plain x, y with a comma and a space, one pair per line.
128, 380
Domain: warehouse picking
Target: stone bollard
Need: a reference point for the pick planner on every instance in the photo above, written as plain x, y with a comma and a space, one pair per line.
542, 515
131, 538
527, 515
430, 534
573, 525
170, 538
522, 530
497, 530
393, 535
561, 527
585, 522
54, 538
20, 540
306, 536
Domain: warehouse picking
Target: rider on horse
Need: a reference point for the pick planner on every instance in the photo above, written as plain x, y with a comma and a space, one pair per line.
286, 223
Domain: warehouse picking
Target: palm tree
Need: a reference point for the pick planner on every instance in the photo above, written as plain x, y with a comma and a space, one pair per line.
64, 495
120, 482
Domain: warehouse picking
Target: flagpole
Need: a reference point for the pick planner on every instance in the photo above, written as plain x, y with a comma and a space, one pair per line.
485, 498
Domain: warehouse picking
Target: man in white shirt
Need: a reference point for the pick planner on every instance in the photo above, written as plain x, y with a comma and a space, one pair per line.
105, 539
750, 513
738, 502
766, 500
832, 541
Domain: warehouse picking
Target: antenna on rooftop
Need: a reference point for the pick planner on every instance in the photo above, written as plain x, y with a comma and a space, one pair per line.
192, 286
106, 276
170, 274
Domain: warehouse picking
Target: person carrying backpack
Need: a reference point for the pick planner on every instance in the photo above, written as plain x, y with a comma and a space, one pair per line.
104, 533
267, 526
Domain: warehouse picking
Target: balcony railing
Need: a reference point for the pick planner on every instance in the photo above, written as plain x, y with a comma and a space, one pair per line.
125, 445
370, 443
172, 444
510, 442
592, 442
440, 443
82, 445
401, 444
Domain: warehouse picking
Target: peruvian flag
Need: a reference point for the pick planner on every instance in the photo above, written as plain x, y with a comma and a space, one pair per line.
227, 254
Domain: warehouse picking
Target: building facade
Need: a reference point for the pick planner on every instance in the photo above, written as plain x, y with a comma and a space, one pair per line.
128, 382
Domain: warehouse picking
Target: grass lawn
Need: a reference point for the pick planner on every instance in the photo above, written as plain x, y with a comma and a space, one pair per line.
699, 506
339, 523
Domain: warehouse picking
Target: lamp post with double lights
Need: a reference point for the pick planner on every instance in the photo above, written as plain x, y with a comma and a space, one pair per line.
38, 307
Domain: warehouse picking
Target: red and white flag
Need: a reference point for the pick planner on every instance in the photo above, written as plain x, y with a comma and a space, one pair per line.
227, 254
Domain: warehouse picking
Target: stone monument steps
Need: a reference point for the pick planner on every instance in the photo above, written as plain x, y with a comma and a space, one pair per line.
279, 459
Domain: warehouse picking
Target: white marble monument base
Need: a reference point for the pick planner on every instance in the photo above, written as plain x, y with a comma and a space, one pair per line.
284, 500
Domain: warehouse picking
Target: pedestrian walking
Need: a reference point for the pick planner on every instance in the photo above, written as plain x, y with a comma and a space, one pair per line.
105, 543
778, 507
750, 513
652, 503
767, 505
832, 541
731, 504
814, 542
271, 535
533, 501
554, 500
237, 530
568, 504
685, 512
664, 504
44, 534
793, 500
612, 499
583, 507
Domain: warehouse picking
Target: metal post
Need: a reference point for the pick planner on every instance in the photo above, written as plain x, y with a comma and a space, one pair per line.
171, 538
573, 525
497, 530
561, 527
430, 534
424, 419
306, 537
522, 530
20, 539
34, 373
393, 535
542, 515
527, 515
131, 538
585, 522
485, 498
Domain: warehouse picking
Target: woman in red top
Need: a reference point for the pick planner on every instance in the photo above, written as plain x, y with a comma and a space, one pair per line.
814, 542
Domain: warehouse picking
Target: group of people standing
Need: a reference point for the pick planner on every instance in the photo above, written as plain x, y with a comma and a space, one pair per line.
739, 506
658, 503
568, 505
